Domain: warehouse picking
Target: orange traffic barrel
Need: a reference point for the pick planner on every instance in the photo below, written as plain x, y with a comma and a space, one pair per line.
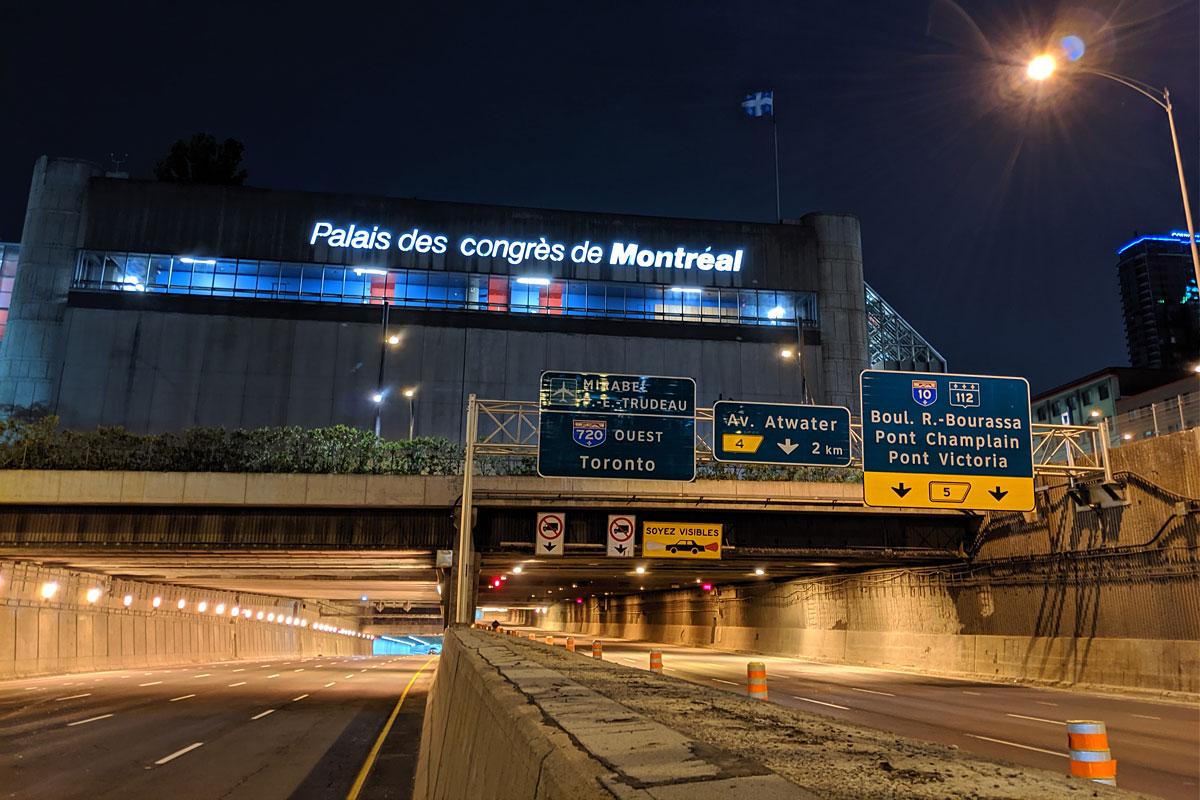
550, 640
533, 637
597, 649
570, 644
1087, 740
656, 661
756, 680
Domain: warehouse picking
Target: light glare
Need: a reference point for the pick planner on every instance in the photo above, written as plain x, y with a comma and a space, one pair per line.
1041, 67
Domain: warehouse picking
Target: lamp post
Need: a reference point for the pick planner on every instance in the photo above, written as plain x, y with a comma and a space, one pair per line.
411, 395
1043, 66
384, 340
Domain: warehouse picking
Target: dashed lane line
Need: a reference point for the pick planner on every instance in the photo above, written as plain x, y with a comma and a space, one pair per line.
1044, 703
1037, 719
820, 702
203, 675
977, 694
1017, 744
871, 691
298, 699
151, 683
1145, 716
72, 697
178, 753
263, 714
181, 697
276, 675
239, 683
331, 683
718, 680
89, 719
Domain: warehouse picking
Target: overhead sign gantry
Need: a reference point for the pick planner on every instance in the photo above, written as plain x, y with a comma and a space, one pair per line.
935, 440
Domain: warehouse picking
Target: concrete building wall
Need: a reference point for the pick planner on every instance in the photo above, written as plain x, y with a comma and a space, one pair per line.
844, 355
31, 351
154, 371
67, 633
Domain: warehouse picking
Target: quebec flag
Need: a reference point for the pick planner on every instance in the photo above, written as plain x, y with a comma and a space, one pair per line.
759, 104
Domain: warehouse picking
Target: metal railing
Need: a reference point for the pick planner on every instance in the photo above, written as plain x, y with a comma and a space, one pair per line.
1175, 414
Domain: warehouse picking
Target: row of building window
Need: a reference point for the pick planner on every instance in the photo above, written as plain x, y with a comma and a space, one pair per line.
326, 283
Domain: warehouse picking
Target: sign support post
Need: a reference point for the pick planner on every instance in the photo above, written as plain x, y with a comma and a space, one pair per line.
464, 610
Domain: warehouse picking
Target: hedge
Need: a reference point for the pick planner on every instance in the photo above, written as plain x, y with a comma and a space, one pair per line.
41, 444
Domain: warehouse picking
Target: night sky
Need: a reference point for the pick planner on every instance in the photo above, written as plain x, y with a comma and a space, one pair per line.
990, 211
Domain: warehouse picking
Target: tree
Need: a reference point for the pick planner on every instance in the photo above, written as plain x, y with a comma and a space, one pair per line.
201, 159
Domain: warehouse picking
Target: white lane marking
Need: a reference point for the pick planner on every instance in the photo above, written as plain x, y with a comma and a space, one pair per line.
34, 688
263, 714
276, 675
239, 683
243, 669
1145, 716
351, 675
1037, 719
871, 691
718, 680
181, 697
72, 697
331, 683
151, 683
297, 699
86, 721
203, 675
1017, 744
178, 753
1044, 703
977, 694
821, 702
298, 670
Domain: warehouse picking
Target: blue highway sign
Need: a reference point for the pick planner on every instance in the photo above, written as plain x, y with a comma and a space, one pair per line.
599, 425
781, 433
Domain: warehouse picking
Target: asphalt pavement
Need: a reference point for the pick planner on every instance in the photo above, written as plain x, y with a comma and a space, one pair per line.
276, 728
1156, 744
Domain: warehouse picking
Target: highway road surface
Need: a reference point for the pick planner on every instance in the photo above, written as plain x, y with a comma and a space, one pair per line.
1156, 744
266, 729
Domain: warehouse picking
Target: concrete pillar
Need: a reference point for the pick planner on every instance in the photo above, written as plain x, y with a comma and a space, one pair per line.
31, 351
842, 306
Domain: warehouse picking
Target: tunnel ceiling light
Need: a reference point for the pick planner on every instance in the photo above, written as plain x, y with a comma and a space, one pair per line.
640, 570
156, 602
760, 571
259, 615
181, 604
270, 617
127, 600
202, 606
220, 609
49, 589
235, 612
93, 594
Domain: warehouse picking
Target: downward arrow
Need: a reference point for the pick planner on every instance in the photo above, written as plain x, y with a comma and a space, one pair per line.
550, 546
786, 446
620, 548
902, 489
996, 493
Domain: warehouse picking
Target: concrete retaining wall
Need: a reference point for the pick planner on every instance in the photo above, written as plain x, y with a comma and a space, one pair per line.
67, 633
483, 739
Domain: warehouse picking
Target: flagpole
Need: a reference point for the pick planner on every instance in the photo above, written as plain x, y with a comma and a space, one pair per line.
775, 132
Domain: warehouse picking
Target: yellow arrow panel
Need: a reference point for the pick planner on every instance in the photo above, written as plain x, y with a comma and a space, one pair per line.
931, 490
740, 443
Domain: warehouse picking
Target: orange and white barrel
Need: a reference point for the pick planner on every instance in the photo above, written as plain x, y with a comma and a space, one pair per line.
533, 637
570, 644
1087, 741
656, 661
597, 649
756, 680
550, 640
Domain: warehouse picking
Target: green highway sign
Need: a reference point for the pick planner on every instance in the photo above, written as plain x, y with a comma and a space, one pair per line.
934, 440
781, 433
601, 425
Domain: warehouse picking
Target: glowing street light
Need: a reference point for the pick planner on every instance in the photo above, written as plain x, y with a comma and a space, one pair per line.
1043, 66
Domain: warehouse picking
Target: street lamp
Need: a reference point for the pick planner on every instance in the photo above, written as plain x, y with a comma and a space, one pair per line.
410, 394
1043, 66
